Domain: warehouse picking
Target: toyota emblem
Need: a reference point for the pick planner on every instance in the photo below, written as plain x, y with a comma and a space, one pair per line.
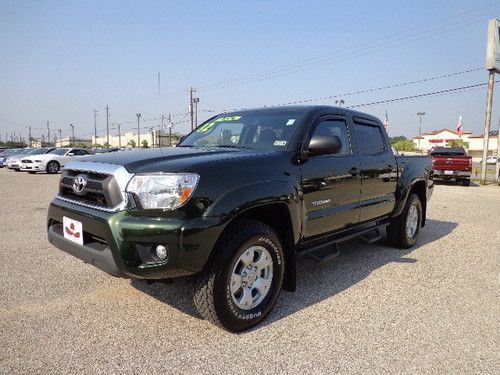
79, 183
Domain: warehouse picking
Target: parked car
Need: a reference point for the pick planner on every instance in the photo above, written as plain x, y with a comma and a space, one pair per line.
12, 161
451, 163
4, 154
106, 150
491, 160
52, 161
238, 200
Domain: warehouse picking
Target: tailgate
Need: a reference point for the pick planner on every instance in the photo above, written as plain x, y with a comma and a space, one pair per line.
452, 163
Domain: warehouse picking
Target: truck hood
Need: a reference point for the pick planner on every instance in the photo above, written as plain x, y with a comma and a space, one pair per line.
172, 159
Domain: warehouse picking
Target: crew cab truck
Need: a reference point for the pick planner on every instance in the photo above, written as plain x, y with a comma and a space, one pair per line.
238, 200
451, 163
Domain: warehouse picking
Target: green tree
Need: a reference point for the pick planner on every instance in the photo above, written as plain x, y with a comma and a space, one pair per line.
458, 143
131, 143
144, 144
404, 145
398, 138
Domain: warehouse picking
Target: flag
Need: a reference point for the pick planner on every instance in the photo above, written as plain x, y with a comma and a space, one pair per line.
460, 125
386, 122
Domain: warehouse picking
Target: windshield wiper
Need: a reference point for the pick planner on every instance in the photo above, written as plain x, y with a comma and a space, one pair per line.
233, 146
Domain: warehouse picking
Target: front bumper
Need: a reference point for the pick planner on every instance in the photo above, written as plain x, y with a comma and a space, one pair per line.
437, 173
119, 243
27, 167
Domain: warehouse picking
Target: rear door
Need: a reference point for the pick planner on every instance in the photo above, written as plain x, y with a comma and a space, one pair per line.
331, 183
378, 170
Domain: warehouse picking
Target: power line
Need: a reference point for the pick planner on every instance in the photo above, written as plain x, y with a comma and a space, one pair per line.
421, 33
400, 84
403, 98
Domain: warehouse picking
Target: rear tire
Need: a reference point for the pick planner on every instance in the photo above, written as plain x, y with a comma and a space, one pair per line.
242, 280
404, 229
466, 182
53, 167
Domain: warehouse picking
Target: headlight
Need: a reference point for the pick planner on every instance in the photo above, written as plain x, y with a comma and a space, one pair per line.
168, 191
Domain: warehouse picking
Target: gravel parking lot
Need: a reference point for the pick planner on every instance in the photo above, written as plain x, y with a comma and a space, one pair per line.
431, 309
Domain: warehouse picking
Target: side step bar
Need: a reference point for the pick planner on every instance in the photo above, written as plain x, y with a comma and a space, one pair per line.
329, 250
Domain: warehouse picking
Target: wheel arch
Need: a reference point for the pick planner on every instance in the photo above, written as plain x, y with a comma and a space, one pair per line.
418, 187
278, 216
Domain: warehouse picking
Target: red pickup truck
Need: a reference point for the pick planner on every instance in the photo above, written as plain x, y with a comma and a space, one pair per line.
451, 163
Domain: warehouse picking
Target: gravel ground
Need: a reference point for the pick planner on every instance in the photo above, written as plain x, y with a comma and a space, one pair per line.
432, 309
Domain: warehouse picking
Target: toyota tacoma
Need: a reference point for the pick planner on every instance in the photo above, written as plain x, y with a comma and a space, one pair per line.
238, 200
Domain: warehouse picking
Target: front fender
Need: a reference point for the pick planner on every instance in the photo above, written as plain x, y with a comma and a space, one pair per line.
243, 198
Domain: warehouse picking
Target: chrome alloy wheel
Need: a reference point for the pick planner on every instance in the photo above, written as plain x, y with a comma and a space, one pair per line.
412, 221
252, 277
52, 167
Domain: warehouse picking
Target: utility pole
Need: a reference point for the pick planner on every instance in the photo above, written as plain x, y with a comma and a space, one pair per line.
72, 135
487, 124
195, 104
420, 115
29, 136
169, 130
138, 130
493, 66
107, 125
119, 136
161, 143
497, 164
95, 126
191, 104
48, 132
60, 138
152, 137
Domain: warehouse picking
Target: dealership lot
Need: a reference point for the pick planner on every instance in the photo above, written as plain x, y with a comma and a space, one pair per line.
434, 308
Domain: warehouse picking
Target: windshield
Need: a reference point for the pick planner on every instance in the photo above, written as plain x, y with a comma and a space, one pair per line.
58, 151
259, 130
38, 151
21, 151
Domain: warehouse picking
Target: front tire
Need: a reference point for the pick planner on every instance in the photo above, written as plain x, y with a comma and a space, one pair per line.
241, 282
53, 167
466, 182
404, 229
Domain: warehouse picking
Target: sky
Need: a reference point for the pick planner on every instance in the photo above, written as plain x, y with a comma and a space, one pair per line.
61, 60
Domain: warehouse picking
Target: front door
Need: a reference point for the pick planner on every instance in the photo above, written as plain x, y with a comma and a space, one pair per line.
331, 183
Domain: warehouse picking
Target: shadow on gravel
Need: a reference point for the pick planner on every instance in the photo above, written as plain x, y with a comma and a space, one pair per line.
315, 281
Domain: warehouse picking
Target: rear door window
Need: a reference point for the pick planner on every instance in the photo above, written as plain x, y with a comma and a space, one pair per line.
369, 139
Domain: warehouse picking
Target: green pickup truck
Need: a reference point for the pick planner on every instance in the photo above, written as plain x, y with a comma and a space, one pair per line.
238, 200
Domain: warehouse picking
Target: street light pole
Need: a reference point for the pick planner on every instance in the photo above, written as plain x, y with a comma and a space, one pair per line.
72, 135
420, 115
138, 130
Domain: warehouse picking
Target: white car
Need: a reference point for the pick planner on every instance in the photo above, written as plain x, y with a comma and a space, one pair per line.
51, 162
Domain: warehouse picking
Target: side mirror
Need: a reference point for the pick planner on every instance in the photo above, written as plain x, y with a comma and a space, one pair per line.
324, 145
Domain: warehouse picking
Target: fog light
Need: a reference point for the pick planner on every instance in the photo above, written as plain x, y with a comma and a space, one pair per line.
161, 252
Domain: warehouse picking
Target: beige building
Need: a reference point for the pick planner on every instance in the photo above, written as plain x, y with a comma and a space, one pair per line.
441, 138
155, 138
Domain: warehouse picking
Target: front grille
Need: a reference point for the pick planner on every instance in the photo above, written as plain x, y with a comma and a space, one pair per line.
101, 190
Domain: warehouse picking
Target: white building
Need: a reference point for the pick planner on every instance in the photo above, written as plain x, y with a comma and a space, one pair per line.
442, 137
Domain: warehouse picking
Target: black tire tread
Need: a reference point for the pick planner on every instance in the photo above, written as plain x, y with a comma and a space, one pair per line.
203, 296
396, 230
